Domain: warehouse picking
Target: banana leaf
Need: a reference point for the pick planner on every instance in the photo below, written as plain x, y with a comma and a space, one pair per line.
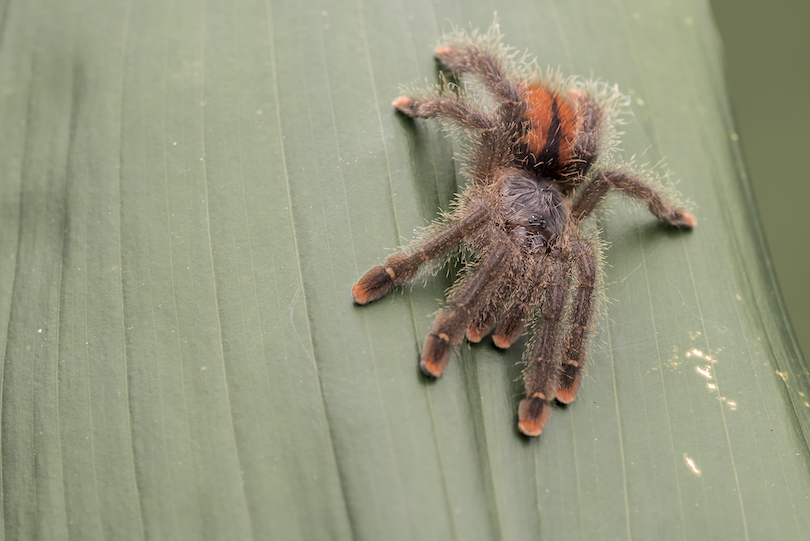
190, 188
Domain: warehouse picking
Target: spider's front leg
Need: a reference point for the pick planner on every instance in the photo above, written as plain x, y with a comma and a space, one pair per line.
540, 378
400, 268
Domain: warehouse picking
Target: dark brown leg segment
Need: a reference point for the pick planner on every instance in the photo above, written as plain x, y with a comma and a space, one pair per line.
496, 150
540, 378
570, 375
513, 320
594, 192
472, 59
511, 283
485, 320
443, 108
400, 268
468, 301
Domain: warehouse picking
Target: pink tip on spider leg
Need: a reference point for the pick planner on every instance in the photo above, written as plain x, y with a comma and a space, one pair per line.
533, 414
567, 390
375, 284
436, 355
473, 334
442, 50
504, 340
688, 219
479, 330
508, 331
402, 103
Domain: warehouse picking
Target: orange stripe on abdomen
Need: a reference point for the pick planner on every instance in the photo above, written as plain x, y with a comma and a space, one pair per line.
550, 138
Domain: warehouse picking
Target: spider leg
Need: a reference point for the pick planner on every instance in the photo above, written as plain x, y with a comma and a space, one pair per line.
496, 145
499, 134
596, 190
487, 317
494, 149
468, 300
401, 267
442, 107
512, 322
470, 58
570, 375
540, 378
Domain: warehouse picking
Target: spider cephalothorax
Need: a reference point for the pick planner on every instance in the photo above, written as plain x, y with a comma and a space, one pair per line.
534, 179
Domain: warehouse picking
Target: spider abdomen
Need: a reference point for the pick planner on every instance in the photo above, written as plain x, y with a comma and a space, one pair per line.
551, 130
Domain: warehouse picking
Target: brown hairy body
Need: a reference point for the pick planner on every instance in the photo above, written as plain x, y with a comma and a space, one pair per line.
535, 177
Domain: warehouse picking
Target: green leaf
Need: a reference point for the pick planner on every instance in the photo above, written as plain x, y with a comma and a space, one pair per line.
189, 191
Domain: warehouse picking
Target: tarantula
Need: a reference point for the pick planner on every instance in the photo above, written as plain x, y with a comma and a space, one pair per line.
533, 181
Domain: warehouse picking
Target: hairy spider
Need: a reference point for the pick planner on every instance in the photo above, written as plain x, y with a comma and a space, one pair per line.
534, 179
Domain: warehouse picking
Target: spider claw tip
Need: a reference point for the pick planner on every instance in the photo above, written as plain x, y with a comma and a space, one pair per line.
473, 335
436, 355
402, 103
568, 384
504, 341
375, 284
533, 414
566, 396
430, 370
360, 294
689, 219
442, 50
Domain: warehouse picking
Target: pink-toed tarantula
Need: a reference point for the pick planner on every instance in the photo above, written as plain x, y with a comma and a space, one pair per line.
533, 181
